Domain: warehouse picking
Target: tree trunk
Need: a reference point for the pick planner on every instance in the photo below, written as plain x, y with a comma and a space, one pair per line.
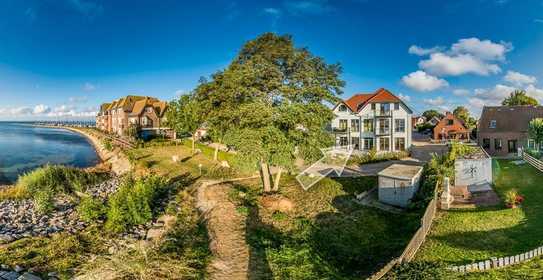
277, 179
265, 175
216, 154
193, 144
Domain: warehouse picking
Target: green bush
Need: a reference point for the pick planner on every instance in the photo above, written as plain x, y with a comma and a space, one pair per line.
372, 157
219, 172
108, 145
57, 179
134, 202
43, 202
91, 209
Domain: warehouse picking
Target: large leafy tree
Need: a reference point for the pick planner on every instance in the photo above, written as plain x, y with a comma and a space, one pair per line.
535, 131
463, 114
269, 104
429, 114
519, 97
185, 116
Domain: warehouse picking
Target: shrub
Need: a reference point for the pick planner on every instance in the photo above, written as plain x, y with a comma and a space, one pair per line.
13, 192
219, 172
91, 209
134, 202
43, 202
57, 179
107, 144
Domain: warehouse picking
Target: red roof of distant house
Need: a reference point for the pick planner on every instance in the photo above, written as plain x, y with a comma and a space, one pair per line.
357, 101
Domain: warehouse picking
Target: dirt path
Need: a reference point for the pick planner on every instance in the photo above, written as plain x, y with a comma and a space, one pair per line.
227, 230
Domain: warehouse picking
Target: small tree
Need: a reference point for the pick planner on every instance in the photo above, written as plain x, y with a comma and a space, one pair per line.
462, 113
535, 131
429, 114
519, 97
185, 117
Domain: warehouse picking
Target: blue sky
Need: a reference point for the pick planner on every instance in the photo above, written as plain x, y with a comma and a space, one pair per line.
62, 58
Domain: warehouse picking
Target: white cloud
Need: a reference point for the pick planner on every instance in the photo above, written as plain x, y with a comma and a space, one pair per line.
439, 101
41, 109
21, 111
519, 79
311, 7
422, 81
404, 98
422, 51
78, 99
272, 11
89, 87
485, 49
461, 92
441, 64
88, 8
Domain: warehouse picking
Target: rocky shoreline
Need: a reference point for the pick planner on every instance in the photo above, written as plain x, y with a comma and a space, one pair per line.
18, 218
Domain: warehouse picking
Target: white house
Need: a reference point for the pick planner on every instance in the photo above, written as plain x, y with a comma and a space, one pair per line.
378, 120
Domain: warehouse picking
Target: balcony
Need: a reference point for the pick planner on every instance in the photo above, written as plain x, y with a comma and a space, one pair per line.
382, 131
383, 114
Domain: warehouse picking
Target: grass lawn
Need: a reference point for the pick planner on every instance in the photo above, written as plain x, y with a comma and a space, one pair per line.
326, 235
463, 236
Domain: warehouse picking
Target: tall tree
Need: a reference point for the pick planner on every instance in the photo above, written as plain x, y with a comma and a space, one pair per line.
269, 104
429, 114
185, 116
519, 97
535, 130
463, 114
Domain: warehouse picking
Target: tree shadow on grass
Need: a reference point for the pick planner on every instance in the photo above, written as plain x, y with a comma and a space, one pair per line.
258, 236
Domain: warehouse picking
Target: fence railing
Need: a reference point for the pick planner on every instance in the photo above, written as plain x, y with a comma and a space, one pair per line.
416, 241
538, 164
494, 263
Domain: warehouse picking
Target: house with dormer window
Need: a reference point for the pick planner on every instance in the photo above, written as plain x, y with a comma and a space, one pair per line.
502, 130
378, 120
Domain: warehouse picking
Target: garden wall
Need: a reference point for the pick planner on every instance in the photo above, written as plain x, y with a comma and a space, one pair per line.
472, 171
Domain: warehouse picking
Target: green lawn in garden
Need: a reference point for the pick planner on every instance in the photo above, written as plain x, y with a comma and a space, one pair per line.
463, 236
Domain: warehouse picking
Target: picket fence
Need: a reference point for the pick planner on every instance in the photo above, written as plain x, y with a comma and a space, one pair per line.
499, 262
538, 164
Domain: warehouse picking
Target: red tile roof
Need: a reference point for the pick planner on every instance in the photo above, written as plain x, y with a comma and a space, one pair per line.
357, 101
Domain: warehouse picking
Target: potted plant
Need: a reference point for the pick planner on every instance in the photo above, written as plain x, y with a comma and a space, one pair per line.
513, 199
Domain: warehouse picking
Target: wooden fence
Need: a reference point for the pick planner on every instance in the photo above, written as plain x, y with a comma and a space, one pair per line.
416, 241
532, 161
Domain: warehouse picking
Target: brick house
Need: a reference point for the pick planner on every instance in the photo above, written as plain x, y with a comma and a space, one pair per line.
146, 114
450, 128
504, 129
373, 121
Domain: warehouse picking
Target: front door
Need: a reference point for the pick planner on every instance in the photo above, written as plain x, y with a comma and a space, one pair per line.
512, 145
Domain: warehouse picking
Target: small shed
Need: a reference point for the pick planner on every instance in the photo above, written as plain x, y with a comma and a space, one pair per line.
398, 183
474, 168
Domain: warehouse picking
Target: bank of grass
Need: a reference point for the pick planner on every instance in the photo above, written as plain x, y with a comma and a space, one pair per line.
158, 160
44, 183
327, 235
464, 236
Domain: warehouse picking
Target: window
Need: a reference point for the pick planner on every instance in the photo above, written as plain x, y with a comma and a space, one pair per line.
384, 126
399, 125
343, 141
531, 144
355, 125
368, 143
373, 106
342, 108
368, 125
450, 122
396, 106
497, 144
343, 124
384, 144
384, 108
399, 144
492, 124
486, 143
355, 143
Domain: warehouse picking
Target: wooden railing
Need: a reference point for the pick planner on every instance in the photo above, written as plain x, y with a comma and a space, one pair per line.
538, 164
416, 241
